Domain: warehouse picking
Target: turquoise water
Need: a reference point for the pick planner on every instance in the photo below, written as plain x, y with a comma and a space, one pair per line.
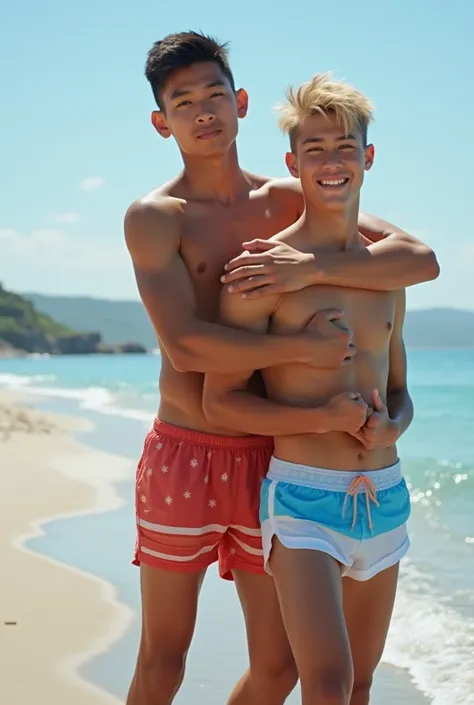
432, 632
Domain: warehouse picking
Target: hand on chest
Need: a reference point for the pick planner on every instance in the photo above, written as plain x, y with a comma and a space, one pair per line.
369, 315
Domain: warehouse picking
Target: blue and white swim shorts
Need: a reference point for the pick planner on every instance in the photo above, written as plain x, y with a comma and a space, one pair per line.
358, 518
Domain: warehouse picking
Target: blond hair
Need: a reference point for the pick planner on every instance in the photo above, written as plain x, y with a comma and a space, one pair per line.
324, 95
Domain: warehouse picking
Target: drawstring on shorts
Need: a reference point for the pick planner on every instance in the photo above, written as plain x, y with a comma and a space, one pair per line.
358, 484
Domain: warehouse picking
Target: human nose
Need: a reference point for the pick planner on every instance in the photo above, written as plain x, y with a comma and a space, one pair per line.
332, 161
205, 115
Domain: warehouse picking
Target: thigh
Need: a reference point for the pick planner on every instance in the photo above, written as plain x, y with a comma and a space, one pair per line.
169, 607
269, 649
368, 609
309, 588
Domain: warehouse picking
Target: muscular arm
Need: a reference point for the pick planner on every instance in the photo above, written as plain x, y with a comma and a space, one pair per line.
227, 404
393, 261
152, 233
399, 403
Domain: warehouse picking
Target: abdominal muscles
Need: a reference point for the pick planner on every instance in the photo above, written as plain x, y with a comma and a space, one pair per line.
369, 315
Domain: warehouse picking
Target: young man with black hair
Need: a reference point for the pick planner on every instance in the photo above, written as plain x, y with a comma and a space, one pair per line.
198, 487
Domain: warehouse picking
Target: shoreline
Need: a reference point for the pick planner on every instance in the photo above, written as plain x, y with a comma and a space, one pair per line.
91, 669
55, 616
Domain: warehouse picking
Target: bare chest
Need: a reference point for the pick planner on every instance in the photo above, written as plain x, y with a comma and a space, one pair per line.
213, 236
369, 315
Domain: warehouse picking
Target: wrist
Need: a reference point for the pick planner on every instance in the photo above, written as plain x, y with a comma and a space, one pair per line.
312, 420
323, 268
312, 270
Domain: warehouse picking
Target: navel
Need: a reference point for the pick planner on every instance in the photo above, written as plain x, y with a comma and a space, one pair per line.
389, 325
201, 268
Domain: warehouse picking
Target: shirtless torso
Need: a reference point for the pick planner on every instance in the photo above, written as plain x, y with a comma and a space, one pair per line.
370, 315
373, 317
205, 236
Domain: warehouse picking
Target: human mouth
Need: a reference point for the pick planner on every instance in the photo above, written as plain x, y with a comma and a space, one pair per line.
208, 134
333, 183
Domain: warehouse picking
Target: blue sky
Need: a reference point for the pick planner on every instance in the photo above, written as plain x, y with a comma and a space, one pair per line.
78, 147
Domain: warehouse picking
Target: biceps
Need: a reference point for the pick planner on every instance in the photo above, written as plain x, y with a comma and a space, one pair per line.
168, 297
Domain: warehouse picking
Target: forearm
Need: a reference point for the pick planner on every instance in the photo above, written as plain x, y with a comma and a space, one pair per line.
395, 262
400, 409
242, 411
209, 347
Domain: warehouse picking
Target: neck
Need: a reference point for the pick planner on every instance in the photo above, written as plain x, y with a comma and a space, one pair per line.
333, 230
215, 178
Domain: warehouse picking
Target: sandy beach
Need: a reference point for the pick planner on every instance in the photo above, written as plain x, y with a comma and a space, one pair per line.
53, 617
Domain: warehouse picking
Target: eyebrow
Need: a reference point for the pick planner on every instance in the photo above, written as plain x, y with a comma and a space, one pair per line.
179, 93
311, 140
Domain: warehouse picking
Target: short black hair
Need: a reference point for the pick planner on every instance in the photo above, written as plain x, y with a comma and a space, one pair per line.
180, 50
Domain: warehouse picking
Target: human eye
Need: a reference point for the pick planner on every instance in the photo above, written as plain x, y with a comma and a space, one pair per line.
216, 94
183, 103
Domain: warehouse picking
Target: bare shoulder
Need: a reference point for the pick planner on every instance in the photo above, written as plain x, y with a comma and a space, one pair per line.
152, 224
154, 208
287, 191
257, 180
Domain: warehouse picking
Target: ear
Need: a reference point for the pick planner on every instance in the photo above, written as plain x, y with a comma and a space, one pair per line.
158, 121
292, 164
242, 99
369, 157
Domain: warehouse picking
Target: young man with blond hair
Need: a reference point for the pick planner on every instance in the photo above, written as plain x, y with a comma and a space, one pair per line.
334, 503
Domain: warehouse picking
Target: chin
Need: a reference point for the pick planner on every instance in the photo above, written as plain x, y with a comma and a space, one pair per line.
331, 203
334, 206
218, 146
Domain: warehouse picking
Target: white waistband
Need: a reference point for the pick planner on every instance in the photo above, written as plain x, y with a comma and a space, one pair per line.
333, 480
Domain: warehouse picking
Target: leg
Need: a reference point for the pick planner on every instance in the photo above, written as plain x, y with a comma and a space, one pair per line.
169, 605
310, 593
272, 674
362, 600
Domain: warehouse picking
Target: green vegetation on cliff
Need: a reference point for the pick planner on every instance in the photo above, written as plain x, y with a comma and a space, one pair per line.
24, 329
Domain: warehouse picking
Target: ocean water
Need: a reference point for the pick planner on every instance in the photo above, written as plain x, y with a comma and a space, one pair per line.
432, 632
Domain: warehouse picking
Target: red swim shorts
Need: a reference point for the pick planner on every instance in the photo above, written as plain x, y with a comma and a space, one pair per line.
197, 500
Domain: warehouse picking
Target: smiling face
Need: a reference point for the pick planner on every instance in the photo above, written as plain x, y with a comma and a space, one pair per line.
200, 109
329, 163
